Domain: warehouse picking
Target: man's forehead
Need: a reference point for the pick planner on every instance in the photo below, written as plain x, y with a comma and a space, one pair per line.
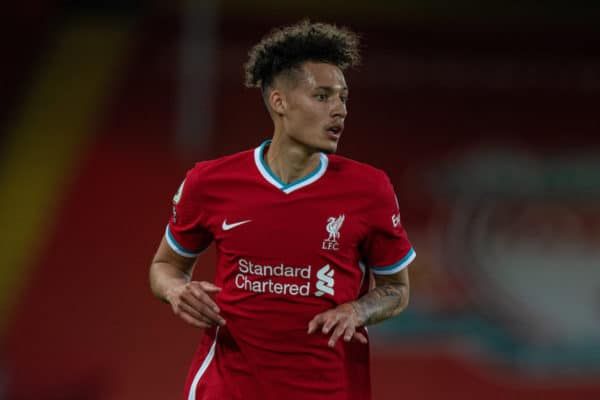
323, 75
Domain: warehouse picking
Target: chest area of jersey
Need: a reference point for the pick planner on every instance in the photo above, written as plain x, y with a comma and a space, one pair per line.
286, 226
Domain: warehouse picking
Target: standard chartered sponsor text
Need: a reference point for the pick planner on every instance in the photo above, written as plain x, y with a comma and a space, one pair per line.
248, 269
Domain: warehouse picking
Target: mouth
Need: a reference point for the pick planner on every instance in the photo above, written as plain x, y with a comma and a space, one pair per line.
335, 130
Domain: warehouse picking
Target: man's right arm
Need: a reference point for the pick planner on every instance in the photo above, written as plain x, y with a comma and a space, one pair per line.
171, 281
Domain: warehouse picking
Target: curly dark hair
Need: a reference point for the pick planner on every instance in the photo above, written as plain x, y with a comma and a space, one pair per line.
285, 49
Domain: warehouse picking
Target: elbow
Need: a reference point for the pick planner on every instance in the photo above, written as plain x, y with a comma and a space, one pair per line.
404, 298
152, 280
158, 275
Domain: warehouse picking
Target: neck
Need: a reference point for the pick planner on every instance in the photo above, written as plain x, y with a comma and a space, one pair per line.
289, 160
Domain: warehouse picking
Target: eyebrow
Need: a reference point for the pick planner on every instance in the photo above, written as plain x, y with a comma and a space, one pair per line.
331, 88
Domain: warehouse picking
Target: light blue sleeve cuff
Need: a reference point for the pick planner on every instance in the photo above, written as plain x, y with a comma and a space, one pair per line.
177, 248
396, 267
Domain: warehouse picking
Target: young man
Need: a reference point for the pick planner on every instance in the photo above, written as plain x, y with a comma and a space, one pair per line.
298, 231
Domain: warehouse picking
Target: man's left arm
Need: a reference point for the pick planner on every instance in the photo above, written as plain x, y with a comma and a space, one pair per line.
386, 300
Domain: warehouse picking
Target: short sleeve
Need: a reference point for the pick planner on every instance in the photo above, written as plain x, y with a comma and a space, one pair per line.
186, 232
387, 249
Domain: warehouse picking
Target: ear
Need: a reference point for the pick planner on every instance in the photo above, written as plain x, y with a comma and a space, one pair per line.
277, 101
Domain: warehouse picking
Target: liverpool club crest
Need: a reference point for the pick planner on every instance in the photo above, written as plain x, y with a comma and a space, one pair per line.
333, 229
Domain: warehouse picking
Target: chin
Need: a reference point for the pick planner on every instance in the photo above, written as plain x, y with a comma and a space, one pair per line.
330, 148
328, 145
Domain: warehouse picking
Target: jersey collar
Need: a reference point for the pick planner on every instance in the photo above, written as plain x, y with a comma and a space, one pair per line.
287, 188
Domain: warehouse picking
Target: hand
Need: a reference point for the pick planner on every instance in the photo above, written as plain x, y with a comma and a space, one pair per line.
193, 303
342, 319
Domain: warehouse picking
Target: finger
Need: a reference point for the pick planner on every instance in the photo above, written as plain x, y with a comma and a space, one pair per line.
192, 321
205, 310
337, 332
181, 308
214, 317
203, 297
209, 287
186, 308
360, 338
199, 304
331, 321
315, 323
349, 333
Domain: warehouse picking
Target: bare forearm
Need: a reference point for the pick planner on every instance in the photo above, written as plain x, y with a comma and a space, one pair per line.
381, 303
163, 276
168, 270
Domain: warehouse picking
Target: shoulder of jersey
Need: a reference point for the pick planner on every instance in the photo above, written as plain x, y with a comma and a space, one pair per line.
358, 172
232, 162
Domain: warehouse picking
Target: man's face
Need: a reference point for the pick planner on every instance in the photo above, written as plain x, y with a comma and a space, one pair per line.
316, 107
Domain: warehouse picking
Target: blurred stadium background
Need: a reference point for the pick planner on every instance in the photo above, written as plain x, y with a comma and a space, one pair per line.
485, 117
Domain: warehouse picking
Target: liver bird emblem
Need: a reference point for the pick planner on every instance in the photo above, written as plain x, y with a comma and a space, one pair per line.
334, 225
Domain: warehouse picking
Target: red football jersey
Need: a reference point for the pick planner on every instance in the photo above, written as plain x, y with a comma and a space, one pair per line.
285, 253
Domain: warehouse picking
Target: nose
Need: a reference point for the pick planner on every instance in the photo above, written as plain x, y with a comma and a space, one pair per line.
339, 109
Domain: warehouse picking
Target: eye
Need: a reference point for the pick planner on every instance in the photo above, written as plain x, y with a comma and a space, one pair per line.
321, 97
344, 99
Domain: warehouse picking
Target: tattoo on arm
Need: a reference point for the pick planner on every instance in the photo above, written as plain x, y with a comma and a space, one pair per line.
381, 303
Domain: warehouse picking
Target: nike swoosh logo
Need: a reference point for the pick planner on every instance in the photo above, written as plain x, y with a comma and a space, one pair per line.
227, 226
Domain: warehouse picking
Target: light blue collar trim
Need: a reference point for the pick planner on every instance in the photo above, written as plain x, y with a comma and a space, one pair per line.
287, 188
